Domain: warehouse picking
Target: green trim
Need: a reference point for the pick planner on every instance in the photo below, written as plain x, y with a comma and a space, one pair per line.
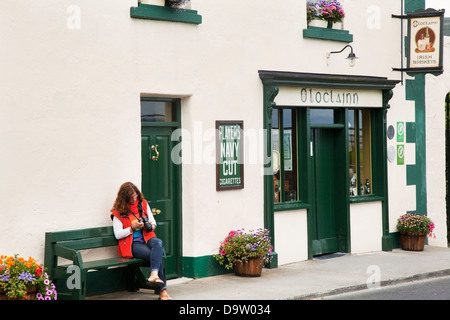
152, 12
200, 267
269, 92
447, 27
416, 131
416, 174
328, 34
366, 198
291, 205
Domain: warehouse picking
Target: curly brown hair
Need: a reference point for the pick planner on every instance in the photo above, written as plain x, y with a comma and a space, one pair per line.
124, 197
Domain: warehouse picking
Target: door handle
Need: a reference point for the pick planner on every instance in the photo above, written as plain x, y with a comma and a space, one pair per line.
156, 211
155, 148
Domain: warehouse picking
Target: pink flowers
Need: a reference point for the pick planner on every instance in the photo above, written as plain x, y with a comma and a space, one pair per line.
325, 10
240, 246
412, 222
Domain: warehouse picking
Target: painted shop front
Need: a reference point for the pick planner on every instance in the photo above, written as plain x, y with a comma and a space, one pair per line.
327, 136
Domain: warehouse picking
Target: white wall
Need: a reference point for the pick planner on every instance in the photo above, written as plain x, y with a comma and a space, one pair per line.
436, 90
291, 236
70, 126
365, 227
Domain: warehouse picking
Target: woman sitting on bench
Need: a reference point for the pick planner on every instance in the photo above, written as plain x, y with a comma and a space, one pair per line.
135, 230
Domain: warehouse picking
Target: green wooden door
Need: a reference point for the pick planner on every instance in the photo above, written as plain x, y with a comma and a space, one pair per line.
160, 181
324, 235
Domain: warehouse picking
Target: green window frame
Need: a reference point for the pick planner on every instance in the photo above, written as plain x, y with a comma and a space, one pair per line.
360, 152
289, 141
285, 152
289, 126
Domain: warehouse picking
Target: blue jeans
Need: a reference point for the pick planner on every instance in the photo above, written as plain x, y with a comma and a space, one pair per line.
152, 251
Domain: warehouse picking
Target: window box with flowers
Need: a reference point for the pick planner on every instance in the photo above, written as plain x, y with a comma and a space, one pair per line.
166, 10
325, 21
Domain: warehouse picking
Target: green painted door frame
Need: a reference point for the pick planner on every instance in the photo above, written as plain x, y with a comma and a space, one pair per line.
272, 81
328, 210
161, 186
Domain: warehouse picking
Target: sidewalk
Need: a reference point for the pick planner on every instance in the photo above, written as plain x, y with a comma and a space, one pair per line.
308, 279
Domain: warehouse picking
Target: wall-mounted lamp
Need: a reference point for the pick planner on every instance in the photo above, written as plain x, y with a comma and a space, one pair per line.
351, 56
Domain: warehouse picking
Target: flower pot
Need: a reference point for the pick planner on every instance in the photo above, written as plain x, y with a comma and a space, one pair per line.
252, 268
180, 6
319, 23
154, 2
31, 294
412, 241
338, 25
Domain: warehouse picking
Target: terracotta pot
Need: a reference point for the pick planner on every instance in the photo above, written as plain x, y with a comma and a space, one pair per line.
252, 268
412, 241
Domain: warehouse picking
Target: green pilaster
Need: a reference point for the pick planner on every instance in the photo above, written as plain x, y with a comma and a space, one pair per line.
270, 91
416, 131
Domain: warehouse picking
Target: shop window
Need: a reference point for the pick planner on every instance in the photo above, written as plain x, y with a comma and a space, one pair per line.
284, 152
360, 157
322, 116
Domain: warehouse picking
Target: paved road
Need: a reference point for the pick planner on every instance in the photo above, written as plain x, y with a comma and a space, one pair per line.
428, 289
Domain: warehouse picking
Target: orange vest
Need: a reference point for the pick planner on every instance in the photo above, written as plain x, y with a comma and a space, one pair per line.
124, 248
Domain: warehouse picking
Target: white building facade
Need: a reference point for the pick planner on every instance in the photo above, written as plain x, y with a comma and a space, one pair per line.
92, 92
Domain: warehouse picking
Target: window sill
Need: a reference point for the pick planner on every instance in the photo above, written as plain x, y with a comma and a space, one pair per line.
153, 12
290, 205
327, 34
366, 198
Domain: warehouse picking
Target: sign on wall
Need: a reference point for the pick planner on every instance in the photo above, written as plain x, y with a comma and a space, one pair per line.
329, 97
400, 132
425, 34
229, 155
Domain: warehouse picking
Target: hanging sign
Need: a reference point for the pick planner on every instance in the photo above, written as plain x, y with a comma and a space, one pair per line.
229, 155
425, 34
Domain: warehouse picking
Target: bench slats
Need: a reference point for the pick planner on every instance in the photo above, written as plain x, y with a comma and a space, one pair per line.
89, 243
80, 234
112, 262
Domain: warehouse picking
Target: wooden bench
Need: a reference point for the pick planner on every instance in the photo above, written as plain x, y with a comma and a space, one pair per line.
96, 277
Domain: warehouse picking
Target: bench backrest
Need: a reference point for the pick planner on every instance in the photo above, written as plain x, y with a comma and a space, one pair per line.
78, 239
79, 234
